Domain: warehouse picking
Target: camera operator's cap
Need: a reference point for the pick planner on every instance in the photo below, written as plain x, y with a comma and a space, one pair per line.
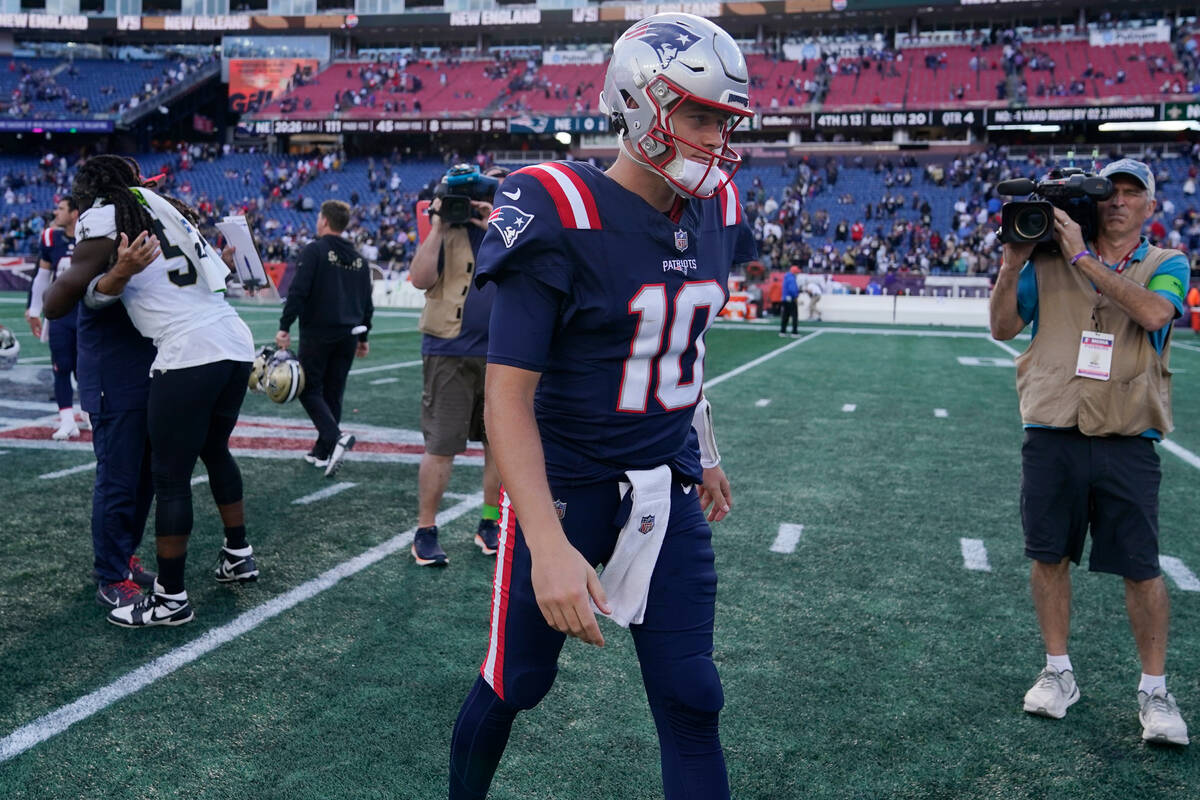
1133, 168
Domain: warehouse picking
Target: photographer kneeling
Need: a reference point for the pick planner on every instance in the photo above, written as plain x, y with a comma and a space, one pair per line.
454, 352
1094, 391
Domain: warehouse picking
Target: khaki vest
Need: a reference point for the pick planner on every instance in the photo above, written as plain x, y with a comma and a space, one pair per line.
444, 301
1137, 395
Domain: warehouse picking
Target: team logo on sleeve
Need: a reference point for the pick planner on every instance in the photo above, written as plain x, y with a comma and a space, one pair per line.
668, 39
511, 222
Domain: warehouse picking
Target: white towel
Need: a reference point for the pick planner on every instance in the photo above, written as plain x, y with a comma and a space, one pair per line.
184, 236
626, 576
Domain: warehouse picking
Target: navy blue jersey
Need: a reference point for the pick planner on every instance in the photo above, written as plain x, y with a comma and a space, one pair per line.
55, 248
114, 361
629, 293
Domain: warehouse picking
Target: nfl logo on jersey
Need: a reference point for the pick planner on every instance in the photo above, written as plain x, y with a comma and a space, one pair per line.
647, 524
681, 240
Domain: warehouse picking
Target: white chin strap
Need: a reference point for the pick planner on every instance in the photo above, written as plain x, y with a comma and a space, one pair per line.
698, 179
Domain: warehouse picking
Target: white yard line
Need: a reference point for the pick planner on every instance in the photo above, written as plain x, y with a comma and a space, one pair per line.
787, 538
328, 491
974, 555
1182, 452
849, 408
751, 364
381, 381
384, 367
199, 479
1184, 578
1012, 351
62, 473
62, 718
941, 413
762, 403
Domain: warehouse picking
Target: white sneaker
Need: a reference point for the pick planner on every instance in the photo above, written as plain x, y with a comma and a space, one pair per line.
85, 421
1052, 694
66, 430
1161, 720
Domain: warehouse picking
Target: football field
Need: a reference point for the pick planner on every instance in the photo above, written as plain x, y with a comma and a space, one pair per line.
874, 634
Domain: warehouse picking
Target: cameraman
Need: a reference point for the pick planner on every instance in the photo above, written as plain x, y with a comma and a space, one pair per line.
454, 355
1094, 392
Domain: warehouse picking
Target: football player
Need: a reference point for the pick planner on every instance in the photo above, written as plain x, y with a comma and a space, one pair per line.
606, 283
57, 244
199, 375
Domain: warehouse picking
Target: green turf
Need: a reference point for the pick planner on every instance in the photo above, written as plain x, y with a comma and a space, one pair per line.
867, 664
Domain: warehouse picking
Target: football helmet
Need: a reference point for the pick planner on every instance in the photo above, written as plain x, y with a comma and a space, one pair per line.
10, 348
278, 374
657, 66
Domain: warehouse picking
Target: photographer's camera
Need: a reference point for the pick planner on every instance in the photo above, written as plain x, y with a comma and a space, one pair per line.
1032, 221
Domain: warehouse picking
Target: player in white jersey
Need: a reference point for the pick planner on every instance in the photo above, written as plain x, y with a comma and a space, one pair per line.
198, 379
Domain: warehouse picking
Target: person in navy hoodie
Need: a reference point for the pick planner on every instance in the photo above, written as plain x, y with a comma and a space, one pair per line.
114, 379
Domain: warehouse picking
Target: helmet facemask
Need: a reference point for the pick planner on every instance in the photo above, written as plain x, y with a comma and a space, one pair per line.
691, 168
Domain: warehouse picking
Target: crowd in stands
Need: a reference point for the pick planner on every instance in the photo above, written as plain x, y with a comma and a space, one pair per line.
49, 88
928, 219
878, 215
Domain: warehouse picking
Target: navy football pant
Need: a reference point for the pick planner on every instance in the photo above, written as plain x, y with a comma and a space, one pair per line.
674, 646
326, 366
192, 412
62, 358
123, 490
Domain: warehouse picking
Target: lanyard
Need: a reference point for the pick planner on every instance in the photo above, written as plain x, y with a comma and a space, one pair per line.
1119, 267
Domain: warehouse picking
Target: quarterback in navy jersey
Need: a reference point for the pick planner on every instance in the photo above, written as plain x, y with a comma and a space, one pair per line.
54, 257
605, 285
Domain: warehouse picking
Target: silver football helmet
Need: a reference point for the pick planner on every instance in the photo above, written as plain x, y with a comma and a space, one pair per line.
657, 66
10, 348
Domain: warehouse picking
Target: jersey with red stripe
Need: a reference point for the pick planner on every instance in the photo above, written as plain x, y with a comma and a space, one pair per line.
635, 293
56, 249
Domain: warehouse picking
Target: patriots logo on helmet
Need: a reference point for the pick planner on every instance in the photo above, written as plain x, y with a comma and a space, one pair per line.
647, 524
511, 222
668, 39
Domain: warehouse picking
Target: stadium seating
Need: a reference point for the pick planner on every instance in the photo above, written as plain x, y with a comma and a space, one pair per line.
103, 83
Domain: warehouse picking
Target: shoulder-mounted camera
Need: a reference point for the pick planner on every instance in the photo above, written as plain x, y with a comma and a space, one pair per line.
461, 184
1031, 221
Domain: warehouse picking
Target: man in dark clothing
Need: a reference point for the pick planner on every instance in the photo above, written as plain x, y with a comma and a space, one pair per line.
331, 295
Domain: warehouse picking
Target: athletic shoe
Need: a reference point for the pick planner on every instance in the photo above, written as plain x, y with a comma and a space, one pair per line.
487, 536
115, 595
234, 568
344, 444
1052, 694
85, 421
426, 550
311, 458
156, 608
66, 430
142, 577
1161, 720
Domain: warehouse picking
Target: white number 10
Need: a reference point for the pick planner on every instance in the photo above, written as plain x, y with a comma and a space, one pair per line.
650, 304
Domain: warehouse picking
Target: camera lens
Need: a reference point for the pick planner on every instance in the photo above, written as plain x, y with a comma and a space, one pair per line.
1031, 223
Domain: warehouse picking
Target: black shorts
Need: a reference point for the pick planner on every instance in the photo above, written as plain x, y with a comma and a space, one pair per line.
1070, 482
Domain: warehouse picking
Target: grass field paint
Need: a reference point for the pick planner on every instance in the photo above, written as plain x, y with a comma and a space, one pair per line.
328, 491
974, 555
787, 538
62, 473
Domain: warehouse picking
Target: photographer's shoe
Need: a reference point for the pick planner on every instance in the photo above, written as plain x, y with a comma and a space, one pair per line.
1052, 694
1161, 721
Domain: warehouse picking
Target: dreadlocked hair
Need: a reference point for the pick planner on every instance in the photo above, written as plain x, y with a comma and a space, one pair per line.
109, 177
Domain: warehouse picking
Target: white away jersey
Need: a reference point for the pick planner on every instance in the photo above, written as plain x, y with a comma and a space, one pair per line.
169, 303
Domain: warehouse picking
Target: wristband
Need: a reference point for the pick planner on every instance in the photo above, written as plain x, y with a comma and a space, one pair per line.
1080, 255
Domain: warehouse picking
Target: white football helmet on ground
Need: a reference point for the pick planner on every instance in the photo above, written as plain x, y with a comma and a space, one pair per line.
10, 348
656, 66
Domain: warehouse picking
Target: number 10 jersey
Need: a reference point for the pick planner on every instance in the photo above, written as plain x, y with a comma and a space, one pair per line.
631, 292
